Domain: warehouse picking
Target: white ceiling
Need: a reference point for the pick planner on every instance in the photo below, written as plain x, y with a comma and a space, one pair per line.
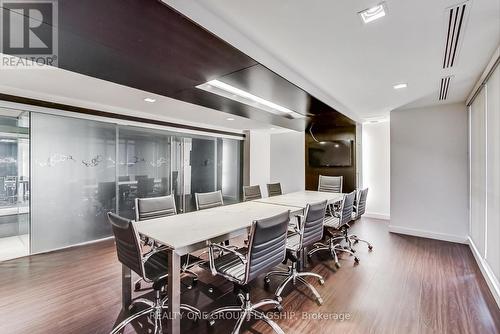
61, 86
322, 46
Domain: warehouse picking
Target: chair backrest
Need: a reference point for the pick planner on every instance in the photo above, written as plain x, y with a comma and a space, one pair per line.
331, 184
208, 200
128, 248
251, 192
154, 207
311, 229
361, 202
346, 208
267, 244
274, 189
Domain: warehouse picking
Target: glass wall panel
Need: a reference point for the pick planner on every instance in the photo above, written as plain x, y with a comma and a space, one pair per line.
230, 170
73, 180
14, 184
144, 168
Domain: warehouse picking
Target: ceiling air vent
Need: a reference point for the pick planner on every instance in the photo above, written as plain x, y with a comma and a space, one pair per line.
443, 90
455, 20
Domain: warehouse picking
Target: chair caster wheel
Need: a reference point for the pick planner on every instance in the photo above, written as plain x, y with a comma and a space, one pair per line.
211, 290
356, 259
267, 281
137, 286
279, 308
321, 281
319, 301
278, 299
337, 265
370, 247
211, 323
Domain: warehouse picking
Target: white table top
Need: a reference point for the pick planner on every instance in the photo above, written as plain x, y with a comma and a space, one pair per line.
190, 231
302, 198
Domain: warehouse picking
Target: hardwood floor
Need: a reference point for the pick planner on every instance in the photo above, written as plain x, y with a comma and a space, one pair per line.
406, 285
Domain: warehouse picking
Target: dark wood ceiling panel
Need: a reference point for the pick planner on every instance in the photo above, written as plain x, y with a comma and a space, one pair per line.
147, 45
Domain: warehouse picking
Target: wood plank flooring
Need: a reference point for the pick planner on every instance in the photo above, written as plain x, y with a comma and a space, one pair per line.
406, 285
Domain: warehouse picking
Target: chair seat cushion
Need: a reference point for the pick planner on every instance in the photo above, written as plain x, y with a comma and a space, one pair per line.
230, 265
156, 266
332, 222
293, 242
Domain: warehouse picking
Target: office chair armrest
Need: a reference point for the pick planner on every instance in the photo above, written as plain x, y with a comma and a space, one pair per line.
152, 252
211, 258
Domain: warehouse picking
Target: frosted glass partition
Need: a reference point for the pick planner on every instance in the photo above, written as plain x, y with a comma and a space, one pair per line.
478, 171
493, 174
144, 157
82, 169
231, 172
73, 180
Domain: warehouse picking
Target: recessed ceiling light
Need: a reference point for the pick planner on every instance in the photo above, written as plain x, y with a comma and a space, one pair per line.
236, 94
371, 14
150, 100
400, 86
230, 119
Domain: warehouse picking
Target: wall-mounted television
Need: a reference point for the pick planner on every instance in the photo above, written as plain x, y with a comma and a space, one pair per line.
336, 153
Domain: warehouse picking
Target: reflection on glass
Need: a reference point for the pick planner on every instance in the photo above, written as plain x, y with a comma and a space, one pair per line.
82, 169
73, 180
14, 184
143, 168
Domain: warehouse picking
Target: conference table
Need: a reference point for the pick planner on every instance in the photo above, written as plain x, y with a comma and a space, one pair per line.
192, 231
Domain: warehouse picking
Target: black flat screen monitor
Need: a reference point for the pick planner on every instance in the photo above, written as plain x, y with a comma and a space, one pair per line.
336, 153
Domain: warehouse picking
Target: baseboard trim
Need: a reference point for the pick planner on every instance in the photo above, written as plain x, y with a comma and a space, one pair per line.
428, 234
488, 275
377, 215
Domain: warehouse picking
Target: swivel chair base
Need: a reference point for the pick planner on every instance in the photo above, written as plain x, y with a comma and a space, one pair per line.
156, 309
294, 276
246, 311
333, 248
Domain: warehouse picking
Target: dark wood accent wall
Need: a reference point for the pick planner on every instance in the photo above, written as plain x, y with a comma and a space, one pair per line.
328, 133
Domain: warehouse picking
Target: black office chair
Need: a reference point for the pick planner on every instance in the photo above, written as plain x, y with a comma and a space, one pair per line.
152, 267
158, 207
251, 193
266, 250
274, 189
310, 231
358, 210
337, 227
208, 200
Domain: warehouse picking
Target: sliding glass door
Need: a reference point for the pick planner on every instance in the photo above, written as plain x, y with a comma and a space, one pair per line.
14, 184
73, 180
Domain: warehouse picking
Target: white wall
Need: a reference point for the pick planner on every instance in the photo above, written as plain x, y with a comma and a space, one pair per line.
259, 159
376, 168
276, 157
429, 168
287, 160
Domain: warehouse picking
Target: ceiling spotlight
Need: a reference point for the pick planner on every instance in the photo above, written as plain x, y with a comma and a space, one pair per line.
400, 86
371, 14
150, 100
229, 119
